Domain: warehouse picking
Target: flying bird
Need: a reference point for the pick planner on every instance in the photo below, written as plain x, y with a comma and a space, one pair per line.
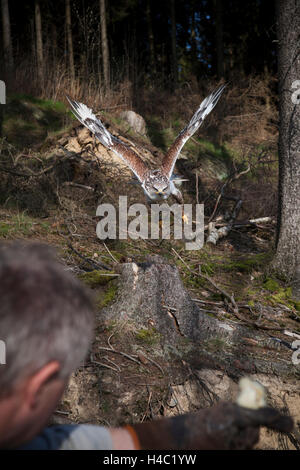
157, 184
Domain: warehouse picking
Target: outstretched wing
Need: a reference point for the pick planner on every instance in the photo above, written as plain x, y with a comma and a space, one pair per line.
204, 109
89, 120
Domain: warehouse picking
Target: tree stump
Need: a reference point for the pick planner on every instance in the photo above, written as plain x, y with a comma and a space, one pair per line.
152, 295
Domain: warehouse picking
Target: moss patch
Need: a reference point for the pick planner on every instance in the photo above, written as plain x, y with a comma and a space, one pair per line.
104, 299
271, 285
97, 277
149, 337
280, 295
247, 265
208, 268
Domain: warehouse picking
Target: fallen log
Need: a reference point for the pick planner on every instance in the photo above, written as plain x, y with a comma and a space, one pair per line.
215, 234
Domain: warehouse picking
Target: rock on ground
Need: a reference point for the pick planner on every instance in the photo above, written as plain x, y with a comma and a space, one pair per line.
135, 121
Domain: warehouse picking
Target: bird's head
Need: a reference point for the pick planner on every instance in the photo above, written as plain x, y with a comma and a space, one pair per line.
157, 185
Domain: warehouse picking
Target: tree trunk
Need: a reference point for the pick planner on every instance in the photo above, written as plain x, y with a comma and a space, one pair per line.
194, 52
173, 40
7, 42
70, 40
39, 43
219, 39
150, 39
287, 258
104, 45
1, 118
54, 48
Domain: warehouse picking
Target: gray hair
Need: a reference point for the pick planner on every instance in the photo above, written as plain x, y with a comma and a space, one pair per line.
46, 314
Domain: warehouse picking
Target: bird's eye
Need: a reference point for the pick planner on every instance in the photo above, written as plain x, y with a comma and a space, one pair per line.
160, 189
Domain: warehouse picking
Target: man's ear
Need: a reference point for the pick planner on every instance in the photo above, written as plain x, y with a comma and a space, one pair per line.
37, 382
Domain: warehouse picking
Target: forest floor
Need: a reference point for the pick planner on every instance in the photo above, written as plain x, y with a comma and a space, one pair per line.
52, 184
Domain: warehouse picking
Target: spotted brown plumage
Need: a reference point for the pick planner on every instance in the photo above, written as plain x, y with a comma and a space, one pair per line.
157, 184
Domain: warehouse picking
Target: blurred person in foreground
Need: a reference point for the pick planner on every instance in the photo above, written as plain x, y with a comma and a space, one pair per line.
46, 324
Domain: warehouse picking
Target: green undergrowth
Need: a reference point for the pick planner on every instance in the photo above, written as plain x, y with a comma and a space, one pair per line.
148, 336
246, 277
106, 298
41, 103
211, 264
280, 295
97, 277
247, 265
29, 120
21, 225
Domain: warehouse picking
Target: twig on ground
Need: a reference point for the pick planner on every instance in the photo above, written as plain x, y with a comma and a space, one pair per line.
77, 185
128, 356
216, 234
96, 264
154, 363
148, 405
109, 252
207, 278
112, 362
105, 365
232, 305
59, 412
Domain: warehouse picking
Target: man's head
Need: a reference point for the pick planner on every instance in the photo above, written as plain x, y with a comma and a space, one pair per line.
46, 323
